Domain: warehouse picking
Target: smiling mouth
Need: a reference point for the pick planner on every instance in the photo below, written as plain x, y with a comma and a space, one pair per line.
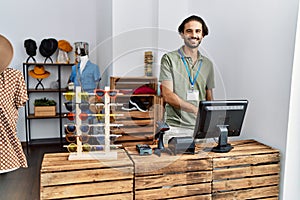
194, 40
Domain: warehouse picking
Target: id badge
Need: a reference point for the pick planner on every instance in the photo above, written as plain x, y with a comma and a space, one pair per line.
192, 95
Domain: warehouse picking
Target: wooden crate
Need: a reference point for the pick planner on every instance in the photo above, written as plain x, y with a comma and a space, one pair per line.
44, 111
138, 127
86, 179
132, 83
170, 177
249, 171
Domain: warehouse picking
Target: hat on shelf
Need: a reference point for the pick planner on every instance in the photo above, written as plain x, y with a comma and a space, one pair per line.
64, 46
39, 72
30, 46
6, 53
48, 47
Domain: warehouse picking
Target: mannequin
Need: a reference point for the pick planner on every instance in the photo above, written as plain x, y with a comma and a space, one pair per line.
85, 74
83, 60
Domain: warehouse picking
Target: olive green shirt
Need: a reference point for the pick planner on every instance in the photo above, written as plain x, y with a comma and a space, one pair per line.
173, 69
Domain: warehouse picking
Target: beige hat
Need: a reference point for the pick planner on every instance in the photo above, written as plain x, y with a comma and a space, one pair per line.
6, 53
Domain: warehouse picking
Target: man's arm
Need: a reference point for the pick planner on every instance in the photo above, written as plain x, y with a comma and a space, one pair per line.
175, 101
209, 95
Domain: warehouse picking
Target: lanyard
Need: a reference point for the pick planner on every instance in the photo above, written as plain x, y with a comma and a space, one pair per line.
188, 71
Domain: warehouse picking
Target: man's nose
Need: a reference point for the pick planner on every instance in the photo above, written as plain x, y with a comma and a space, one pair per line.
194, 34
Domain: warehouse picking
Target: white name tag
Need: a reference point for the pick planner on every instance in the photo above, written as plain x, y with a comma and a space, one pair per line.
192, 95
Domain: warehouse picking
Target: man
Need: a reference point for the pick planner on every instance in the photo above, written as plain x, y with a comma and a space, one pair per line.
187, 77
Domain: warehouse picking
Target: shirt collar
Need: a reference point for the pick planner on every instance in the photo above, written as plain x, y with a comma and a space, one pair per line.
200, 57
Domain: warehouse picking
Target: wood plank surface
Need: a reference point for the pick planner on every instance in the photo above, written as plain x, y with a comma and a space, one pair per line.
249, 171
171, 166
257, 193
121, 196
196, 197
84, 176
140, 122
235, 184
245, 160
146, 182
87, 189
59, 162
135, 114
172, 192
126, 130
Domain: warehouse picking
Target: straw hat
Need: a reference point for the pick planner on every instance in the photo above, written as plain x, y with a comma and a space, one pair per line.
6, 53
39, 72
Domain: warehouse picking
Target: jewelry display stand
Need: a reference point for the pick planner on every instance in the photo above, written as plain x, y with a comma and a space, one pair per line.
106, 153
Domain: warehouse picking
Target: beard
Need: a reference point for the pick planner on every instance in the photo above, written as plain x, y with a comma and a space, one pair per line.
190, 42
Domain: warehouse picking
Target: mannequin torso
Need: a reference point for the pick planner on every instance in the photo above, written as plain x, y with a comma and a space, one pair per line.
83, 61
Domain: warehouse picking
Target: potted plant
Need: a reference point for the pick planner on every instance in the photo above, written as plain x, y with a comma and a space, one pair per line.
44, 107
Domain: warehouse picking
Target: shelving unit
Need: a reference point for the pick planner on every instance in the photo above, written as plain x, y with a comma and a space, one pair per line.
139, 127
29, 116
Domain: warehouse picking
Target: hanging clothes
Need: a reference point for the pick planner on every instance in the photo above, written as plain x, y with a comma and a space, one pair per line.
13, 95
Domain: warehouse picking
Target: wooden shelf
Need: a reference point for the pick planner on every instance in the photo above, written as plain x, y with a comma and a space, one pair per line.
48, 64
59, 68
46, 90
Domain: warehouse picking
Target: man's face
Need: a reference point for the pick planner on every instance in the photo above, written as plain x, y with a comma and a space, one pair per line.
192, 34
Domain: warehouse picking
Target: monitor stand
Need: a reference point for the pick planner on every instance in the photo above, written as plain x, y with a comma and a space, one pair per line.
223, 146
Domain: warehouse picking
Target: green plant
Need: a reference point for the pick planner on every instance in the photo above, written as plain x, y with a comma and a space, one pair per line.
44, 102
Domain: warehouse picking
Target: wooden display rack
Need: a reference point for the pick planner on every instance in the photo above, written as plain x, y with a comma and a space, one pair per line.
139, 127
107, 154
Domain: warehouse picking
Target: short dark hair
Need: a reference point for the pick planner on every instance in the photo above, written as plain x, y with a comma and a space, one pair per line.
194, 18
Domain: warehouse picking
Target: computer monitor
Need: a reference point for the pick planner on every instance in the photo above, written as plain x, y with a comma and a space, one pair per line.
220, 118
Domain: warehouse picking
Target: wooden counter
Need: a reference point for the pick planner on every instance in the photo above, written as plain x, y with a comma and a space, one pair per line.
251, 169
86, 179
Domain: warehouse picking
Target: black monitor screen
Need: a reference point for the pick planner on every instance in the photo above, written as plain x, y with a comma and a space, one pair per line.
214, 115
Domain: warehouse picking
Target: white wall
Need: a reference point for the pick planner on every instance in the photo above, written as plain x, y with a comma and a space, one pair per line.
104, 39
134, 32
71, 20
291, 183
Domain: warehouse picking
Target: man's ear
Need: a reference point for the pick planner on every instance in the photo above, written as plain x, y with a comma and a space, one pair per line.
181, 35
